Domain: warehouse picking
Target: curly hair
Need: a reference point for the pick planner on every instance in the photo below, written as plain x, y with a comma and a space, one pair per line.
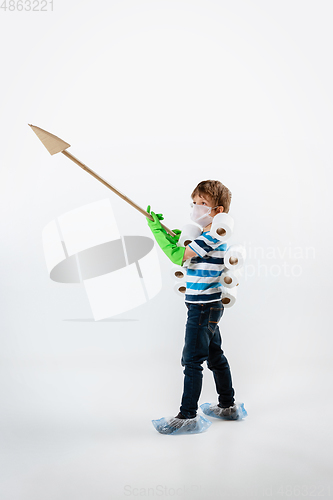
220, 194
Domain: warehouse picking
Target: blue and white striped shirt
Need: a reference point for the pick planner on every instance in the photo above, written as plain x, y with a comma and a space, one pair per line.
204, 271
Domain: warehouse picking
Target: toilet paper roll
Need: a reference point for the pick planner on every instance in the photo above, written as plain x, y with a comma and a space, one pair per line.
188, 234
230, 278
180, 288
234, 257
229, 296
178, 272
222, 227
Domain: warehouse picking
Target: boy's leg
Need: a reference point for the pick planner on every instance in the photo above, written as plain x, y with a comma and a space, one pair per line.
195, 352
218, 364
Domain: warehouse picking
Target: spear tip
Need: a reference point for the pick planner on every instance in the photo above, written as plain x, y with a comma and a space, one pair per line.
52, 143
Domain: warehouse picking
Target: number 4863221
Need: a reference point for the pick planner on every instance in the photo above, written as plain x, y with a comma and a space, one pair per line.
27, 5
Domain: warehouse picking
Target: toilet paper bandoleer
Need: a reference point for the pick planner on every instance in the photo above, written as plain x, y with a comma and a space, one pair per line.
205, 309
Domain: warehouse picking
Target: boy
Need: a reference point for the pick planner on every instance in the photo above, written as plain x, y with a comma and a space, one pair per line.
205, 308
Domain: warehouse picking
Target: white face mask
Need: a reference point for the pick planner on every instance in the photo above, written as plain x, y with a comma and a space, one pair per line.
200, 214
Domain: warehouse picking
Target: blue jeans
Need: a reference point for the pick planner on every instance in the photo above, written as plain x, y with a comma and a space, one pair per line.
203, 343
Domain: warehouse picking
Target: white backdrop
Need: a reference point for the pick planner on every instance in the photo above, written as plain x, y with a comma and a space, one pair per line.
157, 95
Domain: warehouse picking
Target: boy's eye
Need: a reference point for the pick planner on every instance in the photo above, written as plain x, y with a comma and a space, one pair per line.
195, 203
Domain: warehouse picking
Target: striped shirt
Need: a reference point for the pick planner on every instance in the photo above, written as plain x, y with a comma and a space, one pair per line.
204, 271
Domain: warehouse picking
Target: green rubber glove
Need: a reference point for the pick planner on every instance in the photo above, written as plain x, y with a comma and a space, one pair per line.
172, 239
166, 242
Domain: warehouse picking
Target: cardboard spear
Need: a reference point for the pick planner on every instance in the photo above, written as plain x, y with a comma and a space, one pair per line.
56, 145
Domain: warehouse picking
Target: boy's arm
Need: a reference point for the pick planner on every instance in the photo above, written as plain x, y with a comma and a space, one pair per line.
176, 254
189, 253
167, 243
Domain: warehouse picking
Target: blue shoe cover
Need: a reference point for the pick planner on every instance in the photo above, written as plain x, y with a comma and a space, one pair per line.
236, 412
174, 425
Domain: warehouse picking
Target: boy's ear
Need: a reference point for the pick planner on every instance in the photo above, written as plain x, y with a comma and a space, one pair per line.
220, 209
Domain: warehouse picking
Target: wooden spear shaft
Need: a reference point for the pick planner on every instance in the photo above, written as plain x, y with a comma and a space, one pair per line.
56, 145
103, 181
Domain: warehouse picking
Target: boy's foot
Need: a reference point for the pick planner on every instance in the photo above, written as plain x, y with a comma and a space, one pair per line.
234, 412
181, 425
180, 415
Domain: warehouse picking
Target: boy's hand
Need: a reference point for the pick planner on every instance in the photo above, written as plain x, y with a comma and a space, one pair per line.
174, 239
166, 242
156, 225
